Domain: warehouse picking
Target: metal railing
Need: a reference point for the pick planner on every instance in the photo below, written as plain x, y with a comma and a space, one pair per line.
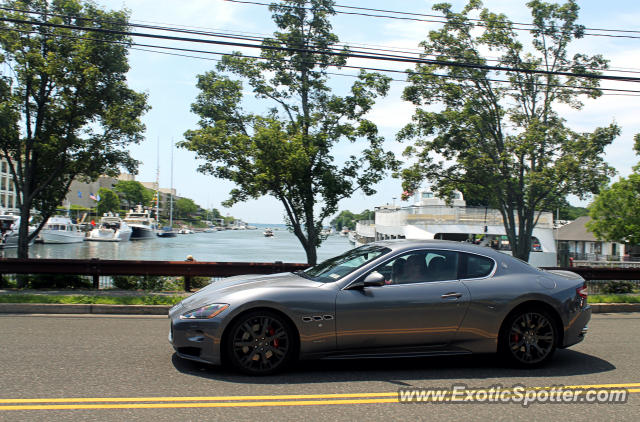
97, 268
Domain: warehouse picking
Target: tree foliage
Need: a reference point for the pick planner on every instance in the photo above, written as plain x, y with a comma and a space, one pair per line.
348, 219
109, 201
615, 212
504, 141
66, 111
288, 152
133, 193
184, 207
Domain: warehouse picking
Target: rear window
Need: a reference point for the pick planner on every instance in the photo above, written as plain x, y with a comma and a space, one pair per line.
476, 266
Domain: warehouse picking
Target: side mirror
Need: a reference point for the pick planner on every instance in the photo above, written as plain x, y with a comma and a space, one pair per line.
374, 279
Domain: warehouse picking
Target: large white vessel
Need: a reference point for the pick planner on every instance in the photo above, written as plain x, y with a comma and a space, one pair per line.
431, 218
111, 229
60, 229
143, 226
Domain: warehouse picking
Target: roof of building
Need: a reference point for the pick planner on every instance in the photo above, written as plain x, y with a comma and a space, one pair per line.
576, 231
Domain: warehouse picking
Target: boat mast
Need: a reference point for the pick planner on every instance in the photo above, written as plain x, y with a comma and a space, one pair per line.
158, 185
171, 191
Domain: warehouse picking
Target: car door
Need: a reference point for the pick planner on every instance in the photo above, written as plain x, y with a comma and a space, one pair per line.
412, 309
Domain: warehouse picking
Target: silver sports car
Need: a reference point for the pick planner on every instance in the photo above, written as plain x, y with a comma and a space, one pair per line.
385, 299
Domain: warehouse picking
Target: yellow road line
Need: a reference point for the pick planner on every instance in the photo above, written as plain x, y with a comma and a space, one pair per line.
241, 401
190, 405
204, 398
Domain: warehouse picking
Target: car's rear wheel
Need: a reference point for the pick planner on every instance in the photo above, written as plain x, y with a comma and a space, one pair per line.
529, 337
261, 343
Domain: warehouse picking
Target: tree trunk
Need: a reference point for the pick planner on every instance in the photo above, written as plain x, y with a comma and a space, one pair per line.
312, 253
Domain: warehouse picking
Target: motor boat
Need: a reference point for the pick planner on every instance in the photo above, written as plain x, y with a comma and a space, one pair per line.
111, 229
9, 227
143, 226
60, 229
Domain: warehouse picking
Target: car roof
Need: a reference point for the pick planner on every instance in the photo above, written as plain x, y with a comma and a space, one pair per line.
398, 245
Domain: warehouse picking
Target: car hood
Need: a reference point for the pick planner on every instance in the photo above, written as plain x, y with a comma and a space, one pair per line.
221, 288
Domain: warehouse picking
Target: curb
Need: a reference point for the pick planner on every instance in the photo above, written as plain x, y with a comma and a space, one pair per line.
54, 308
603, 308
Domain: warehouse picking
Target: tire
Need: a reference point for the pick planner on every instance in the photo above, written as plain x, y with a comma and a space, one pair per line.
529, 337
261, 343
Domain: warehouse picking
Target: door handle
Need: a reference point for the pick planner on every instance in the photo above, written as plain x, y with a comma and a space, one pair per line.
452, 295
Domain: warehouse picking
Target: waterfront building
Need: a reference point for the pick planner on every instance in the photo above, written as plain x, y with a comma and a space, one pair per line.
431, 217
580, 244
8, 195
80, 192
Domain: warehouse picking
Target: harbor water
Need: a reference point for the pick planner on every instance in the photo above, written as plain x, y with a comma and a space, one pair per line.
220, 246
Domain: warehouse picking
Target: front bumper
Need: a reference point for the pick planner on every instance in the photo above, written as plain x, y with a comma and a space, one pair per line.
197, 340
577, 329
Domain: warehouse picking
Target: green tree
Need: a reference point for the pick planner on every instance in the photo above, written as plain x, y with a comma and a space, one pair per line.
66, 110
504, 141
288, 152
615, 212
133, 193
109, 201
184, 207
348, 219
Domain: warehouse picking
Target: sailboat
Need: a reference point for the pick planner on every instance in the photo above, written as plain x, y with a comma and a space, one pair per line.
168, 231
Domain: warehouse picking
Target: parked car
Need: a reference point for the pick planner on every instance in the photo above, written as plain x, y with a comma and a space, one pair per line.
391, 298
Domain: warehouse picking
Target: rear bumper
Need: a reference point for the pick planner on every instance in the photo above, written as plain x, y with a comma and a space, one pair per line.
577, 329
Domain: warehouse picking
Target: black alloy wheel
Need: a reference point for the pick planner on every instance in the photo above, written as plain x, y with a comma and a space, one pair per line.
529, 338
260, 343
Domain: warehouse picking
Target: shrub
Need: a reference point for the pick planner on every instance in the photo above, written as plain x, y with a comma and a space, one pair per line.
199, 282
617, 287
58, 281
146, 282
125, 282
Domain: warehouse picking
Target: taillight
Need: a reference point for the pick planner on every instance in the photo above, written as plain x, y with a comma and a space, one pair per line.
583, 294
582, 291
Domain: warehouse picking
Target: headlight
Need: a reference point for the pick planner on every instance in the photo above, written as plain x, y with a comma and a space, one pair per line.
206, 312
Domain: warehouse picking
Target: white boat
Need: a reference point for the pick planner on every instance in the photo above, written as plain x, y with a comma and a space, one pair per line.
60, 229
111, 229
9, 228
185, 231
431, 217
143, 226
267, 232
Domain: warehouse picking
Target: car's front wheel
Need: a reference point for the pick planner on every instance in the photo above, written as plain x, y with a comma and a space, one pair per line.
261, 343
529, 337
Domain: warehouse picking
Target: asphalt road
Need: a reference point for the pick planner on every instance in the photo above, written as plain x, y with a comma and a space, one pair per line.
122, 368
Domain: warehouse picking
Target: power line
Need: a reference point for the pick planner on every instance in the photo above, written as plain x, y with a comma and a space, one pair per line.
373, 69
440, 17
261, 39
331, 53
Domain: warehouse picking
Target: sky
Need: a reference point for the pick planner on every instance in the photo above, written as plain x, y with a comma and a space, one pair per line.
170, 83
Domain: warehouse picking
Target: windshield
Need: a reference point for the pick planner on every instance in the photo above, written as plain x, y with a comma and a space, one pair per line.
335, 268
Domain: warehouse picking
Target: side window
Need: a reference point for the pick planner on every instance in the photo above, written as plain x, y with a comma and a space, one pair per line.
421, 266
477, 266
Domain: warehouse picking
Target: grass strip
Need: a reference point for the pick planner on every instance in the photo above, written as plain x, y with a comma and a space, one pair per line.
611, 298
86, 299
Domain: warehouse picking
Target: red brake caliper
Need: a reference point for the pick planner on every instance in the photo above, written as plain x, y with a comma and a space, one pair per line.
275, 340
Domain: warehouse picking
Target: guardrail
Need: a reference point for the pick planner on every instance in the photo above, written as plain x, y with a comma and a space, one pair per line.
98, 267
188, 269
